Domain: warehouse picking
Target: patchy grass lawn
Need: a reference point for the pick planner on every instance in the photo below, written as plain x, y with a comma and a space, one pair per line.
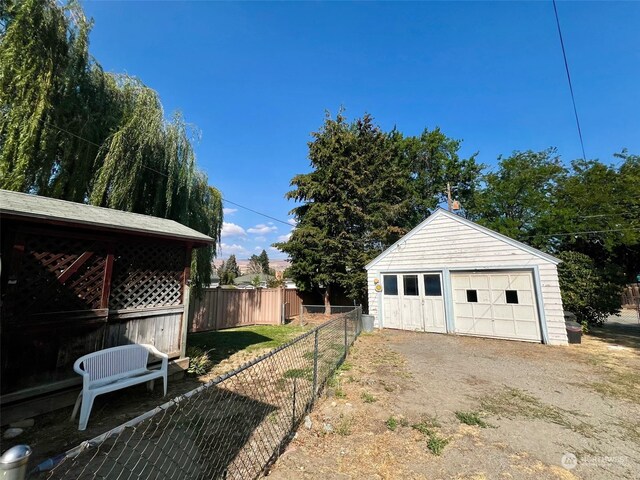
228, 349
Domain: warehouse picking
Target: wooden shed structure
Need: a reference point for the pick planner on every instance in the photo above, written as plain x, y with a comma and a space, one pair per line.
451, 275
76, 279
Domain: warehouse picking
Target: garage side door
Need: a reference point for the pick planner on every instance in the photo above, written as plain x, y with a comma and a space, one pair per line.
495, 304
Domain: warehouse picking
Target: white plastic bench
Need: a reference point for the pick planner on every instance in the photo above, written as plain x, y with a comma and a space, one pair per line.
113, 369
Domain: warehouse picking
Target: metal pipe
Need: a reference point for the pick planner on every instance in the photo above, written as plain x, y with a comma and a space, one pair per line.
13, 462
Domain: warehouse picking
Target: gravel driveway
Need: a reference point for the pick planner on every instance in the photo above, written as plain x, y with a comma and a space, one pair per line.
416, 405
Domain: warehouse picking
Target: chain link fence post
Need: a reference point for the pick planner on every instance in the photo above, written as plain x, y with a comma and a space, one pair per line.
293, 414
315, 365
346, 338
13, 462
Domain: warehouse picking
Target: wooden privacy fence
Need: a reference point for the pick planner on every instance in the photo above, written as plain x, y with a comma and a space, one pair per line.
292, 302
221, 308
631, 296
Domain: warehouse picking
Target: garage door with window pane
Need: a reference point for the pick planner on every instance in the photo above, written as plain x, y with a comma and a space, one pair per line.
413, 301
496, 304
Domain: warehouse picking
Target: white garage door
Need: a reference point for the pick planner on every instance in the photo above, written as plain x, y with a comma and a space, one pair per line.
496, 304
414, 301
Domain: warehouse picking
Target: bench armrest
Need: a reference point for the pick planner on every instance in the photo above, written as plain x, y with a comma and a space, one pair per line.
158, 353
84, 374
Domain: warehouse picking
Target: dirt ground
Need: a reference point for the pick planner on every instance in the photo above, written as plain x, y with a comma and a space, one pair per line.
536, 411
54, 433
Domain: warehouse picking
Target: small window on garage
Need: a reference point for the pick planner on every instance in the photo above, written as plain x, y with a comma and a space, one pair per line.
410, 285
472, 296
390, 284
432, 286
512, 296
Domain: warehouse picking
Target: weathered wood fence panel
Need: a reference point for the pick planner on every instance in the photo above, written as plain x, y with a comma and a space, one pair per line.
292, 303
631, 296
221, 308
159, 327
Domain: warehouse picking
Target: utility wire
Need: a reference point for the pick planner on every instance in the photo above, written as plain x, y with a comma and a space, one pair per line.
256, 212
164, 174
288, 224
584, 233
566, 67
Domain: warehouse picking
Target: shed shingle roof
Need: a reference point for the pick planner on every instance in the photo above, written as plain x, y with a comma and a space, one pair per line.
23, 205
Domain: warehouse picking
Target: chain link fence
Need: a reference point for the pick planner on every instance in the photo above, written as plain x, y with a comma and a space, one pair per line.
630, 306
317, 314
233, 427
629, 315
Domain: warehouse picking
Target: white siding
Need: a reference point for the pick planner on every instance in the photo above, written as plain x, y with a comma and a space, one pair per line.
447, 243
374, 296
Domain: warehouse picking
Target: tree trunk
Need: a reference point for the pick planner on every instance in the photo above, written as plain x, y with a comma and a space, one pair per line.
327, 300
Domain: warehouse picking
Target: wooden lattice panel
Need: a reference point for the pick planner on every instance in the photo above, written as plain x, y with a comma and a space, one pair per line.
44, 282
146, 275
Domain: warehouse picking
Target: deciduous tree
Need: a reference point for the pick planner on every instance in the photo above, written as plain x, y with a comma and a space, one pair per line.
70, 130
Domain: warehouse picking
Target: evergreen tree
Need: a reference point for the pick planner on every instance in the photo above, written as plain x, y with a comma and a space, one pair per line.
232, 266
343, 211
367, 189
263, 259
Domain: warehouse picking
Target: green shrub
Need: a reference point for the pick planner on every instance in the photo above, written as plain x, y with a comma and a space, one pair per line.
590, 292
344, 427
471, 418
368, 398
436, 444
391, 423
427, 426
199, 361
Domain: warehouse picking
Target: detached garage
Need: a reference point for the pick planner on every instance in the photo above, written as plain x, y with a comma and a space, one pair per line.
450, 275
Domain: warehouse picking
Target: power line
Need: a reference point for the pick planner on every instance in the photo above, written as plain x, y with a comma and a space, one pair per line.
566, 67
164, 174
585, 232
256, 212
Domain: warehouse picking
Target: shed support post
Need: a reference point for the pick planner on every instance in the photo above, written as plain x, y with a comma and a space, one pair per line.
186, 319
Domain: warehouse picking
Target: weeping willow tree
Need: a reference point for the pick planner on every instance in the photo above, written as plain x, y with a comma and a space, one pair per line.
70, 130
148, 147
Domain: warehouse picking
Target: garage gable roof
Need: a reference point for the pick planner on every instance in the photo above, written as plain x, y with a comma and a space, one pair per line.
441, 212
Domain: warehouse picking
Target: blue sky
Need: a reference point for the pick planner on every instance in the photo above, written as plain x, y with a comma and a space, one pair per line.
256, 79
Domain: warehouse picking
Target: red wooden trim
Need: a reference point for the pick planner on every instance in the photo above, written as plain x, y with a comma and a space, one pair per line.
106, 279
73, 268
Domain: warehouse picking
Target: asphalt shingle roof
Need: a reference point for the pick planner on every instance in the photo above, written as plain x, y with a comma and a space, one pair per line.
28, 206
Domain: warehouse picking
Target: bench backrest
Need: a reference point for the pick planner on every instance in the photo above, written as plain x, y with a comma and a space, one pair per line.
114, 361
